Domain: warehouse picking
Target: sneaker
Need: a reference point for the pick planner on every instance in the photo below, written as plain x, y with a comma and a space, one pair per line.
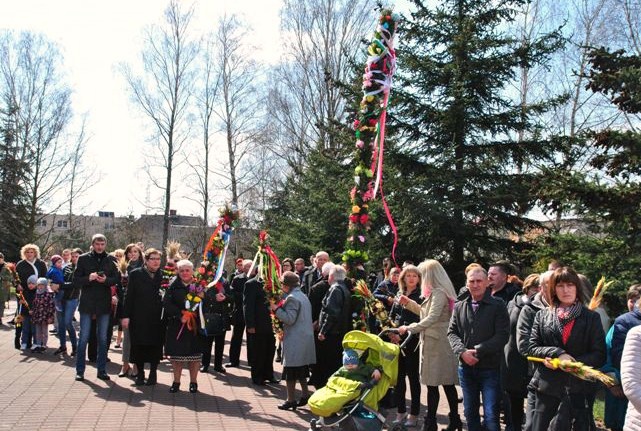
23, 346
35, 348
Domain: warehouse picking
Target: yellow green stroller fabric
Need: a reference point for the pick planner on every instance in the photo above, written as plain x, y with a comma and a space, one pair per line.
339, 390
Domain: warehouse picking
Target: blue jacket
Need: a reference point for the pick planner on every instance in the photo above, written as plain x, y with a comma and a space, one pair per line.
622, 325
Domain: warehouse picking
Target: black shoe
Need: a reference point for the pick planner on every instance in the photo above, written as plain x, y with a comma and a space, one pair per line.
193, 388
152, 379
103, 376
288, 405
232, 365
274, 380
258, 382
303, 401
174, 387
204, 369
73, 353
80, 378
53, 331
140, 380
455, 423
220, 370
60, 350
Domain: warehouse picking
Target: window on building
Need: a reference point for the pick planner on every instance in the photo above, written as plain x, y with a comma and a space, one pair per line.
62, 223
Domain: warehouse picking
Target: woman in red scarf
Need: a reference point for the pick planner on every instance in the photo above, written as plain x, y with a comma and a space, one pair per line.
569, 331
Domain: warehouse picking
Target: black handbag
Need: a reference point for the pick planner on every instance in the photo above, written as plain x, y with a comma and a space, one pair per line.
214, 324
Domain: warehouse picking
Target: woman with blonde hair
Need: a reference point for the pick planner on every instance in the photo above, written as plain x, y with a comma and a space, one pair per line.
438, 365
409, 284
31, 264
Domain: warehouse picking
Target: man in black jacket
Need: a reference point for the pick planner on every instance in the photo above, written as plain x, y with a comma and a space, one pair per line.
95, 274
314, 274
261, 343
478, 332
237, 288
334, 322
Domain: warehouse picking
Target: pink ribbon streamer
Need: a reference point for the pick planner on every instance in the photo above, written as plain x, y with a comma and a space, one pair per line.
390, 220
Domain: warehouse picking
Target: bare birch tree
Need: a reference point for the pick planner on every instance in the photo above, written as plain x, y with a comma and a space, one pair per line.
238, 109
322, 40
162, 91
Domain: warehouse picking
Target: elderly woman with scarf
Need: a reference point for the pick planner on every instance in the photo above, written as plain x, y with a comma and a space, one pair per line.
298, 339
183, 345
566, 330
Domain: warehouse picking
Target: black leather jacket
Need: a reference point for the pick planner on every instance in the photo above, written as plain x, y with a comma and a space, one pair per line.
335, 316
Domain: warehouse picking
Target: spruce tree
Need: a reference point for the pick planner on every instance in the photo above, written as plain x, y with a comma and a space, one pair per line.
465, 170
13, 196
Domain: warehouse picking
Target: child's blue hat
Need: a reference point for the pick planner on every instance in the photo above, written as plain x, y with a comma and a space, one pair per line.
350, 357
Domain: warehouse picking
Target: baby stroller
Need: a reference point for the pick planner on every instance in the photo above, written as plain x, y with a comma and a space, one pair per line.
352, 405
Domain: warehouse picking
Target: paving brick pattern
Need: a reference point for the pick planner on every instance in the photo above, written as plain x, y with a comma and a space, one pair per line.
38, 391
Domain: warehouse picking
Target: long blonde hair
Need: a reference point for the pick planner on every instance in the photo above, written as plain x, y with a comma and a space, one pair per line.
433, 277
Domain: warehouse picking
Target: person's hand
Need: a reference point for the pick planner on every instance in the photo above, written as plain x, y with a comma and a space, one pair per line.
251, 330
273, 307
101, 278
125, 323
376, 375
469, 357
93, 276
220, 297
55, 287
403, 300
114, 300
402, 330
315, 325
390, 300
321, 337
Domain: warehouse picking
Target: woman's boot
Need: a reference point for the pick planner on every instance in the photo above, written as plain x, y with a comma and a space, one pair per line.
430, 424
455, 423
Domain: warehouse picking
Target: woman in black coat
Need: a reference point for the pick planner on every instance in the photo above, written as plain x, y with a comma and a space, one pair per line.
569, 331
219, 301
182, 345
409, 284
142, 316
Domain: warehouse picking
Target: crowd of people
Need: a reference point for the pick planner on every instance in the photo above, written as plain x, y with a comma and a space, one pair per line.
478, 337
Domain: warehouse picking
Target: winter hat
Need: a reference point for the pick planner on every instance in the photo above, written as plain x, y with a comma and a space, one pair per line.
32, 279
55, 258
350, 357
42, 281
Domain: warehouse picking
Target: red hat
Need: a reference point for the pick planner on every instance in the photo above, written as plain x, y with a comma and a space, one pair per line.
55, 258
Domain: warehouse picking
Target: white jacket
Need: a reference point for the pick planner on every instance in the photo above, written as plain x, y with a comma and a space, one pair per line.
631, 378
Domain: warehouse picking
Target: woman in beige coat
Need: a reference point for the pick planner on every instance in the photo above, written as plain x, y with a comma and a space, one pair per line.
438, 362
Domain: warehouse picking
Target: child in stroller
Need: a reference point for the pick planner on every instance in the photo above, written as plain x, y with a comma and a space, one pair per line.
352, 394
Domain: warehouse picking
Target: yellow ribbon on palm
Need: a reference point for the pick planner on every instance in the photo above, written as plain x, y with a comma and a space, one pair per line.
577, 369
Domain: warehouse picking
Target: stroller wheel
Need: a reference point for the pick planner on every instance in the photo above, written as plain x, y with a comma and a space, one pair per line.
313, 425
398, 427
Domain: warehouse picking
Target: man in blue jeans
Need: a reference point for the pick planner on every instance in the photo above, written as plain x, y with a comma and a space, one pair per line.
95, 274
478, 332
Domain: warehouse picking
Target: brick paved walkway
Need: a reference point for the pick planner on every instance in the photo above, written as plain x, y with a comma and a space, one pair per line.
38, 391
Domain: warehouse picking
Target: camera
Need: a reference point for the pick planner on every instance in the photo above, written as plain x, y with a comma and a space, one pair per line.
101, 273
